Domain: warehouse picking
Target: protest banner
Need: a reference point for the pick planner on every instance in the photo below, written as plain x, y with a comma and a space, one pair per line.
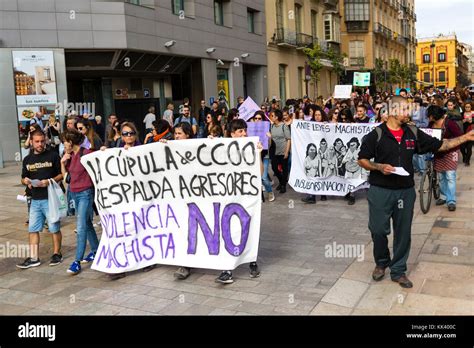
247, 109
193, 203
342, 91
324, 157
260, 130
361, 79
435, 133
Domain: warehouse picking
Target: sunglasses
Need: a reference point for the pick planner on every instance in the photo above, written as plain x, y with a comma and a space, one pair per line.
80, 128
128, 134
258, 118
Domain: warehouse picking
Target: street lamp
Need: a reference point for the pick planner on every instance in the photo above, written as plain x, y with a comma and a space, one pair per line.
433, 45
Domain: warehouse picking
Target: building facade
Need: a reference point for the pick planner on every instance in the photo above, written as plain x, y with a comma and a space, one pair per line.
123, 56
471, 65
441, 60
466, 64
377, 29
291, 26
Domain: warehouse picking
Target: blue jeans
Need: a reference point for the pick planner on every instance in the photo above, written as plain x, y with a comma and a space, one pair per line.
447, 185
419, 163
201, 132
289, 164
85, 229
71, 211
266, 183
39, 211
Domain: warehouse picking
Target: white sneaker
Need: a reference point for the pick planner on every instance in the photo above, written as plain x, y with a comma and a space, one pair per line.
271, 197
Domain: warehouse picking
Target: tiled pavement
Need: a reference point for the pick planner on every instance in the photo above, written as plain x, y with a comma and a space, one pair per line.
297, 277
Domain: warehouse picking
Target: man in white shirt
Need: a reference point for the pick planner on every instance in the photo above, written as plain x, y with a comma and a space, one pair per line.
149, 119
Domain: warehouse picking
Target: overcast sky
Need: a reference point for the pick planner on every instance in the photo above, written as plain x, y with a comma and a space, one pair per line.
445, 16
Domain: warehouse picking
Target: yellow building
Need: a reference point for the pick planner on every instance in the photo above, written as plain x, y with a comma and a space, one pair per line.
440, 60
377, 29
292, 25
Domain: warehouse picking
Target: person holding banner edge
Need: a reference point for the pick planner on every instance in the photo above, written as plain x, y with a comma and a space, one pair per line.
392, 196
182, 131
238, 129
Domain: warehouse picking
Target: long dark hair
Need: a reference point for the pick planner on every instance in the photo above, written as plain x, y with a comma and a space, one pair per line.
91, 135
308, 147
348, 114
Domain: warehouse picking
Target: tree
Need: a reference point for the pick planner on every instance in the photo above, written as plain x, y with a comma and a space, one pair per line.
463, 80
314, 56
379, 74
337, 62
412, 70
395, 72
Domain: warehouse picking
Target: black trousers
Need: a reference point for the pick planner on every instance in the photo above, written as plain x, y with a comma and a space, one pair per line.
280, 161
466, 151
396, 205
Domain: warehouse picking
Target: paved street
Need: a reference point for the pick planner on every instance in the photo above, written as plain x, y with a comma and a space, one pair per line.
297, 278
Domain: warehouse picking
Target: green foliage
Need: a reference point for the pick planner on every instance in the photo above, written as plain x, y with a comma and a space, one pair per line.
314, 56
337, 62
379, 74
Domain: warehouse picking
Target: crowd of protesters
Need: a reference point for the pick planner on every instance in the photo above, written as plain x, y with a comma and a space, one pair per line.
82, 134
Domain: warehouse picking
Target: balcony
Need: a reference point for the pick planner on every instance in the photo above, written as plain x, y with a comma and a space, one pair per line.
331, 3
383, 30
357, 62
357, 26
284, 37
402, 40
395, 4
303, 40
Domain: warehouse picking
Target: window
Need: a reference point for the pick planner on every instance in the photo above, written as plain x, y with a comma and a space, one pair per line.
327, 29
177, 6
314, 24
298, 18
251, 20
218, 12
426, 77
331, 28
300, 80
356, 10
356, 49
426, 58
279, 14
442, 76
282, 81
134, 2
441, 57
